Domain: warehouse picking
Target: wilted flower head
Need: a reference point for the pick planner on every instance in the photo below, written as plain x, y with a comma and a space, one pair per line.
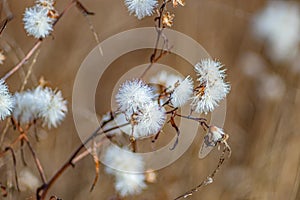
182, 92
211, 139
128, 170
6, 101
133, 95
141, 8
40, 103
176, 2
46, 3
212, 87
37, 22
167, 19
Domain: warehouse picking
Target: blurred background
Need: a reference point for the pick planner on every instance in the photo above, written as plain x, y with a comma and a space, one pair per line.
258, 43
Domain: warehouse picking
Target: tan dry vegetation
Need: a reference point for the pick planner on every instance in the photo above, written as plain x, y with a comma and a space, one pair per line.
264, 134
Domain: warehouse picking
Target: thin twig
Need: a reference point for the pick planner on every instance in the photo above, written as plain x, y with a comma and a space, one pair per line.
172, 121
22, 153
209, 178
37, 44
15, 165
7, 123
97, 165
29, 70
43, 190
23, 61
159, 29
36, 160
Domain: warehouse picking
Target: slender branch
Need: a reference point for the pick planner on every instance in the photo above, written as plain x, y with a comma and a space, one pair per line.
159, 28
29, 71
43, 190
209, 178
36, 160
15, 165
24, 60
22, 153
37, 44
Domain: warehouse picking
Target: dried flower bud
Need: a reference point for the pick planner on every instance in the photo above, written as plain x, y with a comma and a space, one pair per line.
180, 2
167, 19
150, 176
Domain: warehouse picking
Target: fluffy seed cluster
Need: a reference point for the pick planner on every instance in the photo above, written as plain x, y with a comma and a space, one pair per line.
141, 8
40, 103
128, 169
212, 87
6, 101
166, 79
136, 101
149, 120
279, 25
38, 20
182, 93
134, 95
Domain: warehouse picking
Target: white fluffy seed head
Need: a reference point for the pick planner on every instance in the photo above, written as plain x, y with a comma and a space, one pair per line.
133, 95
28, 181
55, 108
26, 107
122, 160
279, 26
141, 8
149, 120
40, 103
128, 169
6, 101
212, 86
166, 79
130, 184
37, 23
182, 92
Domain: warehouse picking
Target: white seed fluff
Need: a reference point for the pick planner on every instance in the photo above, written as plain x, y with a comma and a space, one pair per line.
182, 92
27, 107
40, 103
36, 21
149, 120
166, 79
128, 169
133, 95
54, 109
130, 184
141, 8
279, 26
28, 181
211, 77
6, 101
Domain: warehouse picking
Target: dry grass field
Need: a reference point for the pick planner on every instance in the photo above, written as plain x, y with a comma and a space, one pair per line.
262, 119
